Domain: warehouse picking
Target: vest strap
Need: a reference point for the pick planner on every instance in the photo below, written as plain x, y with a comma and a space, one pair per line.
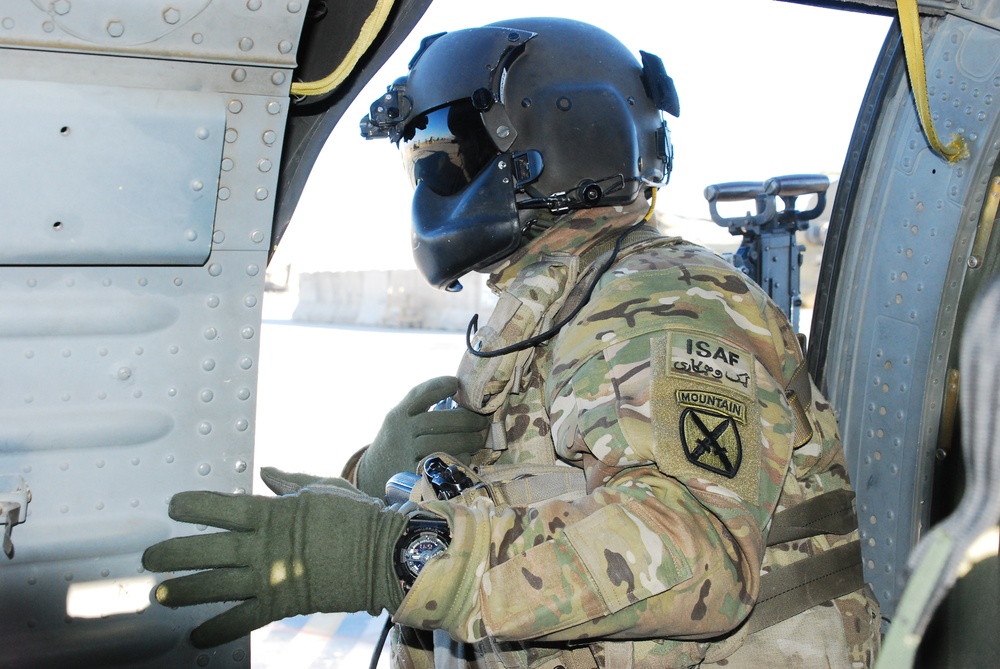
790, 590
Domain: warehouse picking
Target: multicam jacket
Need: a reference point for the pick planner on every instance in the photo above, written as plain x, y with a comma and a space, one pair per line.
662, 402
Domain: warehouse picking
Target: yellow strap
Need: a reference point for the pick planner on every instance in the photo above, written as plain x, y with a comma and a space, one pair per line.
909, 25
371, 28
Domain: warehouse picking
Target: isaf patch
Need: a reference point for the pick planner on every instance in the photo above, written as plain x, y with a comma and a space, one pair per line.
706, 358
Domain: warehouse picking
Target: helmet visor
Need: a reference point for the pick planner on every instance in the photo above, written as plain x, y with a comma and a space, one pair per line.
446, 148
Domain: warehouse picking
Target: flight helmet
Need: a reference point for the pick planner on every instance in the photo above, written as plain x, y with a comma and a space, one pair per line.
498, 123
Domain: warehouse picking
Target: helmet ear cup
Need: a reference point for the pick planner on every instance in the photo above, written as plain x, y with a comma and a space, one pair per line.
585, 134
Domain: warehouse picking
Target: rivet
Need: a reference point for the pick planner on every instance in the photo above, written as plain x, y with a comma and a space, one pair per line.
284, 46
211, 333
250, 301
133, 503
48, 26
208, 365
264, 165
218, 236
260, 193
247, 332
116, 28
212, 301
171, 392
203, 660
232, 135
202, 133
243, 394
207, 396
215, 269
204, 468
241, 426
246, 44
61, 7
99, 506
294, 7
278, 78
171, 15
240, 466
246, 363
224, 193
257, 236
253, 270
205, 428
197, 38
197, 185
135, 462
124, 374
235, 106
8, 23
227, 164
239, 74
269, 137
253, 5
273, 107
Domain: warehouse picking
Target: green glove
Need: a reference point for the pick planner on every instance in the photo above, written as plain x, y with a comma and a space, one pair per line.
410, 433
289, 483
284, 556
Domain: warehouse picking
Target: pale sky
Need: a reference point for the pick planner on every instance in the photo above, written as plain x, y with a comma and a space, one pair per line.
766, 88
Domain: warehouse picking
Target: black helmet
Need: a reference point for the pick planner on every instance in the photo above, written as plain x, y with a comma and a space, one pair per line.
499, 121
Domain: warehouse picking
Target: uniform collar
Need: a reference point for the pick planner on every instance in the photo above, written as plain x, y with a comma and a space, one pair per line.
571, 235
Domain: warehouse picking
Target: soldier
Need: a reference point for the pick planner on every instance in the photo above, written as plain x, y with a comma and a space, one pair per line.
661, 484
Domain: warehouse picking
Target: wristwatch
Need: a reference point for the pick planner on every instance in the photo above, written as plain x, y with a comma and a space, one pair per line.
424, 537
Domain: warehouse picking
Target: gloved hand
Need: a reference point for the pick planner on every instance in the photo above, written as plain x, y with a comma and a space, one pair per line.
289, 483
410, 433
283, 556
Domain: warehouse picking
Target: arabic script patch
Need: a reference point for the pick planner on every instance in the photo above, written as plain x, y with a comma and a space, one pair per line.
710, 359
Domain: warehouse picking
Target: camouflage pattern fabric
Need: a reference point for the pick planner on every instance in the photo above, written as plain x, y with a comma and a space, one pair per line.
667, 391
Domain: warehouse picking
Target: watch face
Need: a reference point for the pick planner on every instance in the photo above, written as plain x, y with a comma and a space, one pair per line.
422, 547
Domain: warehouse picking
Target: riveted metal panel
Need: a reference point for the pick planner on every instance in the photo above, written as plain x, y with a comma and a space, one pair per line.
904, 264
128, 357
113, 176
249, 32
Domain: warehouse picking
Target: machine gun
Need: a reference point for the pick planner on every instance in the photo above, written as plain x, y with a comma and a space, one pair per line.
769, 253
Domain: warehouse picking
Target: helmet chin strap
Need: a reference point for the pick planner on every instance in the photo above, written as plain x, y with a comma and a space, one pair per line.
588, 194
551, 332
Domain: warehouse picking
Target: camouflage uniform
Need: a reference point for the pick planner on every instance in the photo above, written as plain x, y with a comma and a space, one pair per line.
662, 407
